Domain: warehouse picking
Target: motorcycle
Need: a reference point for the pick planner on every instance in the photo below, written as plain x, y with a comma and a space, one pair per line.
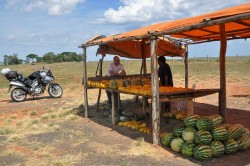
34, 85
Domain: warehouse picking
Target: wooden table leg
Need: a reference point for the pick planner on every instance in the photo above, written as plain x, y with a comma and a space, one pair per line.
113, 108
98, 100
119, 100
190, 107
143, 106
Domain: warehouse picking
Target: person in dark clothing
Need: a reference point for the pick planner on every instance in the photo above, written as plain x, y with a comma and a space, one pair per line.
164, 72
166, 79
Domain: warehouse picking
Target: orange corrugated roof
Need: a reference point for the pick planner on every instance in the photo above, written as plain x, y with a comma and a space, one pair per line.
208, 29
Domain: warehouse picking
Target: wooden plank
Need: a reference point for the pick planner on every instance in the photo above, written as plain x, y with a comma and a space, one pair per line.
222, 94
179, 94
155, 92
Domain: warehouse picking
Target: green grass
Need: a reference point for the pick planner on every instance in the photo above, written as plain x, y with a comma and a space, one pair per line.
5, 130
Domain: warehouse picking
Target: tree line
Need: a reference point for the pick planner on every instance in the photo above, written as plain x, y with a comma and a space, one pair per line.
50, 57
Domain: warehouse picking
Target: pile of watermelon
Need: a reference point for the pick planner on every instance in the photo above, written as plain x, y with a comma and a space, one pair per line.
206, 137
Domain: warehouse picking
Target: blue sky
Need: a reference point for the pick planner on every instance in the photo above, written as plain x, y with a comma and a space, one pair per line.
42, 26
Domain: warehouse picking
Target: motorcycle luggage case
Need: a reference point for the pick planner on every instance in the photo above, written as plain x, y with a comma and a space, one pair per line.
11, 75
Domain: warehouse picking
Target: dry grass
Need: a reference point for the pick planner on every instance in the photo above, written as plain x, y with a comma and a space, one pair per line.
70, 74
48, 135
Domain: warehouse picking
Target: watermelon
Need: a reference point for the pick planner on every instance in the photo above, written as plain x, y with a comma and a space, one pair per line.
244, 142
191, 120
204, 123
178, 130
203, 137
166, 139
176, 144
203, 152
235, 131
188, 134
227, 126
187, 148
231, 146
218, 148
124, 119
220, 133
216, 120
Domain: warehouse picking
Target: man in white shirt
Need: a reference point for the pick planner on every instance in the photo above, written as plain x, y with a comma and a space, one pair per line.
115, 68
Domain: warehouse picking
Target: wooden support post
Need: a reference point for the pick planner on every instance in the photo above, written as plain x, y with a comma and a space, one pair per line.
100, 90
190, 106
155, 92
113, 108
144, 62
222, 94
186, 66
85, 81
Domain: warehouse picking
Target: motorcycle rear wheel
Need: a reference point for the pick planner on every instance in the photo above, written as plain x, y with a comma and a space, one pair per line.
55, 91
18, 95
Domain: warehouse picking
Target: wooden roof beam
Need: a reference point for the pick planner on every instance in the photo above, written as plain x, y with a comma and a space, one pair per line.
205, 30
204, 24
242, 23
231, 33
167, 51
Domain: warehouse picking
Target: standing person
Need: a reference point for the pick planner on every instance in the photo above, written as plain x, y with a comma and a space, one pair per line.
115, 68
166, 78
164, 72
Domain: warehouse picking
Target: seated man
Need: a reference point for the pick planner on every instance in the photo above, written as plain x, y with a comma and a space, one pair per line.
115, 68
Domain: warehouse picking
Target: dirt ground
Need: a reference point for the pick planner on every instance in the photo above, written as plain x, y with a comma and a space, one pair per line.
93, 140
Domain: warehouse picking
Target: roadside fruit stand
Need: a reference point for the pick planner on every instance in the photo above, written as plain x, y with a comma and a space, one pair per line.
172, 39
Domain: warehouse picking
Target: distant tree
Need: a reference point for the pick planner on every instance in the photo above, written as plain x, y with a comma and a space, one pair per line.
49, 57
31, 57
11, 59
21, 61
71, 56
6, 60
39, 59
59, 58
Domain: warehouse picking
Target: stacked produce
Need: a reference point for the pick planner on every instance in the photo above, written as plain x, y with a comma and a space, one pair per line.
118, 83
179, 115
99, 84
206, 137
136, 125
140, 86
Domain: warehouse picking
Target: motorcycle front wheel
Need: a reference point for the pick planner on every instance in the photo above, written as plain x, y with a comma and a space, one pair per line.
18, 95
55, 90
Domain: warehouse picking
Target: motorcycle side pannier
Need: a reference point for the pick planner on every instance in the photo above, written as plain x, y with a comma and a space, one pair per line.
11, 75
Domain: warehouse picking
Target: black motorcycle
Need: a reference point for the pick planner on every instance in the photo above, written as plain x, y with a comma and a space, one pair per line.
34, 85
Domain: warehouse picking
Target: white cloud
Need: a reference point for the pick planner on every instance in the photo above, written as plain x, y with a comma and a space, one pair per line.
154, 10
53, 7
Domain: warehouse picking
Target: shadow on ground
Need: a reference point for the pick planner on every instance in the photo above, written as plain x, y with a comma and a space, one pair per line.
167, 125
